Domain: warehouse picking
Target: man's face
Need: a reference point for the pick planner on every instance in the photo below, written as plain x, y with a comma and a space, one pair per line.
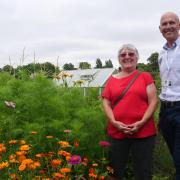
169, 27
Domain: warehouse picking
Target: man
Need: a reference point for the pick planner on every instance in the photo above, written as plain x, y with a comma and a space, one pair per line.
169, 65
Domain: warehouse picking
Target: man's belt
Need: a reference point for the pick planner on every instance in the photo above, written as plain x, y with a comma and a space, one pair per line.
168, 104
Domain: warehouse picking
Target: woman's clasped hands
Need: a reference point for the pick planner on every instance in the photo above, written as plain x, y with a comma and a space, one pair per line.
129, 129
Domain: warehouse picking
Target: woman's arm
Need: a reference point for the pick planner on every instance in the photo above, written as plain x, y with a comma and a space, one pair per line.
109, 113
152, 104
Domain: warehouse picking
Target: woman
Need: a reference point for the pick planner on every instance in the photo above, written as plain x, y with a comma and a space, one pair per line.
130, 123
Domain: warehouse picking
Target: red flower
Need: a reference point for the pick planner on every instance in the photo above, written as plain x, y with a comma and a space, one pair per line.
104, 143
76, 143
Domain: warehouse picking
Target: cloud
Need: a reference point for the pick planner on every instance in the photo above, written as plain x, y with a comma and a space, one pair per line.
79, 30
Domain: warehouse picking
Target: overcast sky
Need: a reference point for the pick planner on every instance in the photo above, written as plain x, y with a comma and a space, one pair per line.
79, 30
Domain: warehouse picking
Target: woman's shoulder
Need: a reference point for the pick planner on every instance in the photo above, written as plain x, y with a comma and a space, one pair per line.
145, 73
147, 76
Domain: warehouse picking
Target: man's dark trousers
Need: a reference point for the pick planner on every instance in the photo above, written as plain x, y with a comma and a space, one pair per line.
169, 125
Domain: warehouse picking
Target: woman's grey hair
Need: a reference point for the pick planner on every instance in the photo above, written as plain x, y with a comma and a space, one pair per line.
130, 47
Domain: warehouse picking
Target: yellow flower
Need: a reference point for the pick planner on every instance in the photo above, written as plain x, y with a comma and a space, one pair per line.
33, 132
95, 165
12, 142
49, 137
22, 142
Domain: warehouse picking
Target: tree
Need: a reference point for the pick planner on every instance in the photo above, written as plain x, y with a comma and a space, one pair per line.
8, 68
68, 66
98, 63
108, 64
153, 62
84, 65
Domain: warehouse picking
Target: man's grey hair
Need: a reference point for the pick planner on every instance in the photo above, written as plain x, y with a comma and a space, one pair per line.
130, 47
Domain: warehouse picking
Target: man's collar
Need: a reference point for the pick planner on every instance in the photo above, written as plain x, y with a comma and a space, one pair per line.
177, 42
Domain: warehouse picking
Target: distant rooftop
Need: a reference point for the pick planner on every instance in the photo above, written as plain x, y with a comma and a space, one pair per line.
87, 77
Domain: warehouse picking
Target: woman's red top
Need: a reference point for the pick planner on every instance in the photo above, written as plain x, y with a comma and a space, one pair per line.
132, 106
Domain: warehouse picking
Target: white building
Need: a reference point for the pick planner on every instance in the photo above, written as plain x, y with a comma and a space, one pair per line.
85, 77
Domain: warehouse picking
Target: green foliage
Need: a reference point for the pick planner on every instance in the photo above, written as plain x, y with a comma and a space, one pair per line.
31, 69
43, 106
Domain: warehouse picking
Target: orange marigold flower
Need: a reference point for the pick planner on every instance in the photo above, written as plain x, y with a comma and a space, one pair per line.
34, 165
63, 153
65, 170
40, 155
50, 153
58, 175
2, 148
27, 161
22, 167
12, 156
92, 175
20, 153
31, 166
24, 147
37, 164
13, 176
4, 165
49, 137
68, 158
64, 144
21, 158
11, 142
55, 162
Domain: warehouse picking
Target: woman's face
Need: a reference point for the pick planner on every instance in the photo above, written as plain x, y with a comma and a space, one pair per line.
128, 59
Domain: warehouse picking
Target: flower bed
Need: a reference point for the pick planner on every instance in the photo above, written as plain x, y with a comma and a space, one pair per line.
23, 160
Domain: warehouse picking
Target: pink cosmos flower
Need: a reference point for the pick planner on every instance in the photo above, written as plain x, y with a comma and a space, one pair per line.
10, 104
67, 131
